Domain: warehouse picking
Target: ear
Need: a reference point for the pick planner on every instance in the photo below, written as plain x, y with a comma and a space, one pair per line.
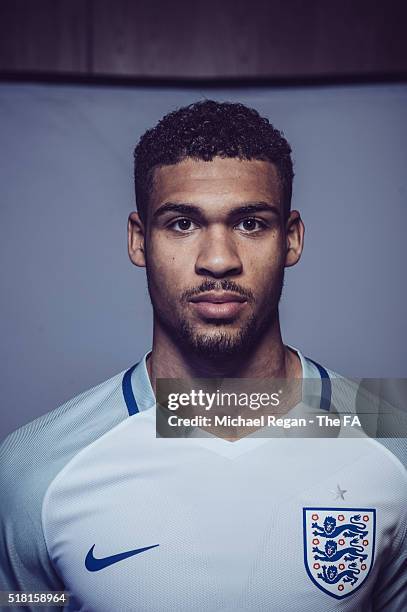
135, 240
295, 238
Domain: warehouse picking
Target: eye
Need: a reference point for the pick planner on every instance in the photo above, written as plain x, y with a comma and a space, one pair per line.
251, 224
182, 225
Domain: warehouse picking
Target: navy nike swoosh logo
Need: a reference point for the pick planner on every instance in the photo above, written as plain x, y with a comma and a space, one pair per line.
94, 565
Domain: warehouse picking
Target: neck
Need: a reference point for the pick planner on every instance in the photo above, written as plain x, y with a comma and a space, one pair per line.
268, 359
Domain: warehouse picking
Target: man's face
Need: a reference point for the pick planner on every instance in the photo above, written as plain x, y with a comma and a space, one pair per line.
215, 247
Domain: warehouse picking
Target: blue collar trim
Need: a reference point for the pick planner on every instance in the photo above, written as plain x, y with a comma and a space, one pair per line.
326, 392
128, 391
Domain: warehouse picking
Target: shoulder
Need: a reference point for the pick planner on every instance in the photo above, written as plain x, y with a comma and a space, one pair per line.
368, 466
30, 459
32, 455
383, 424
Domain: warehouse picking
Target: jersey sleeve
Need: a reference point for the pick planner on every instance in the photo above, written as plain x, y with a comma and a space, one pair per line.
24, 561
30, 459
391, 595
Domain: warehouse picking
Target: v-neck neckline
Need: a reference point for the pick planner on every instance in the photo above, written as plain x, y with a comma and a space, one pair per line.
139, 396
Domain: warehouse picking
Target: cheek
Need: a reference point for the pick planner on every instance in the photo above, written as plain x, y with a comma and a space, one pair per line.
265, 266
161, 260
171, 261
165, 269
167, 255
269, 251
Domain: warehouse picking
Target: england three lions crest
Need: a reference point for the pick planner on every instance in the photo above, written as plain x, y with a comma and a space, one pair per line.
339, 548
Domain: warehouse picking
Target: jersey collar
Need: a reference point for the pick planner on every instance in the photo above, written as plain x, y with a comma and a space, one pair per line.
139, 395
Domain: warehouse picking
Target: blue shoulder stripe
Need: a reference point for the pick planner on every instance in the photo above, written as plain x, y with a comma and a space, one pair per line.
128, 392
326, 391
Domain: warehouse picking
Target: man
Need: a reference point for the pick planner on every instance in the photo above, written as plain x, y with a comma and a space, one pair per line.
95, 504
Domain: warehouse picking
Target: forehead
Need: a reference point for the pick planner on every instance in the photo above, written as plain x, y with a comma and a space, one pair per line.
224, 180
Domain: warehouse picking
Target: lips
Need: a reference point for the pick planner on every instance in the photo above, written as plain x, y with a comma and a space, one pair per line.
218, 305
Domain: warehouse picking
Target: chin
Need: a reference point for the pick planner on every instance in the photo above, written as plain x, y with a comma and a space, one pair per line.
221, 325
218, 342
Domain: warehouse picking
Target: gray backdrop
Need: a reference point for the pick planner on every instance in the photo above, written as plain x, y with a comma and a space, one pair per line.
74, 310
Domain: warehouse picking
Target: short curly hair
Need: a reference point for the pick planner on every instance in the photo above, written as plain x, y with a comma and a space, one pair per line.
207, 129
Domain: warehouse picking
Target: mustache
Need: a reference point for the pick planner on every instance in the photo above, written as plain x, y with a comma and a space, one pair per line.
221, 285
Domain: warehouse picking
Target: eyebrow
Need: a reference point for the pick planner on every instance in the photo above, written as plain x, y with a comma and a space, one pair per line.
193, 209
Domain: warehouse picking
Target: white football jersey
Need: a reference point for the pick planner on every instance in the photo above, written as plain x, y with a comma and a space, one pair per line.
95, 504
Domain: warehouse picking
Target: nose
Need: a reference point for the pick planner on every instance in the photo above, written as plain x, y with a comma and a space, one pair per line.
218, 256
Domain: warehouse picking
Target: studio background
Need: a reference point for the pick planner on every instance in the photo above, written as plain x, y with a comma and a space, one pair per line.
75, 311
